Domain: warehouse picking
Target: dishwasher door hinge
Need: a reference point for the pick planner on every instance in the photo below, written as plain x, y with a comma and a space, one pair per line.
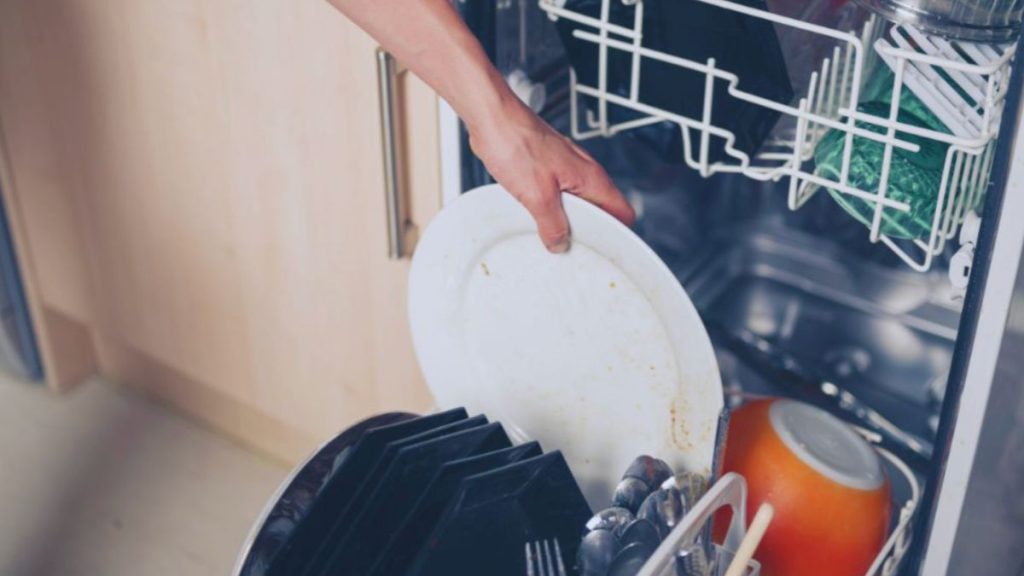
963, 260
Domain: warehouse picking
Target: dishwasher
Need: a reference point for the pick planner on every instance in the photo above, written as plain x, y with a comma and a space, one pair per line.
901, 306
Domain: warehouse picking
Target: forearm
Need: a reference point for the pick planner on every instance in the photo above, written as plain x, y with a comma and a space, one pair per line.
429, 38
532, 161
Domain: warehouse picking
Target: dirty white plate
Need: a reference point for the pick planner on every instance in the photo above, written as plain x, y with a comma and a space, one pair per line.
597, 352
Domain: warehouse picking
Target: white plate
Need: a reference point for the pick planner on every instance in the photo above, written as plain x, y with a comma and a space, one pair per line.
598, 352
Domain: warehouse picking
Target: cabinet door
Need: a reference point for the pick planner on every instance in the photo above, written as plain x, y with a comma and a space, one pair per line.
197, 189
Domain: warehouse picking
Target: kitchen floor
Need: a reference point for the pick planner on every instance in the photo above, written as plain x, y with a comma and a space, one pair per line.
104, 482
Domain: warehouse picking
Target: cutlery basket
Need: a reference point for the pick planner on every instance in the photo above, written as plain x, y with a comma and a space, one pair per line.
731, 491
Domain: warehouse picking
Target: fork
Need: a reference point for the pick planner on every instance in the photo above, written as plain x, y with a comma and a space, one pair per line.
542, 561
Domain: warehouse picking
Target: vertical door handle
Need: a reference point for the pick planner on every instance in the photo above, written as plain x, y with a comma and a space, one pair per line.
387, 81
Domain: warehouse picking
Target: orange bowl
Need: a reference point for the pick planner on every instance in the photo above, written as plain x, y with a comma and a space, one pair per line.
831, 496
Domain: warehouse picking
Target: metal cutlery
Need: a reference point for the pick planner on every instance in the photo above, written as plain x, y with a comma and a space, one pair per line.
544, 558
692, 561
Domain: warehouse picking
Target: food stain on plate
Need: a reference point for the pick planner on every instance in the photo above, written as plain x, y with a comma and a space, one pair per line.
680, 426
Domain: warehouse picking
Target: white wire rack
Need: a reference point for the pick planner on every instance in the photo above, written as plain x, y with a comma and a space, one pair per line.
887, 562
963, 84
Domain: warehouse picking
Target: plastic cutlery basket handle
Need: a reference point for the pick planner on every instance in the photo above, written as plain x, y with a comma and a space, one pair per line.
730, 490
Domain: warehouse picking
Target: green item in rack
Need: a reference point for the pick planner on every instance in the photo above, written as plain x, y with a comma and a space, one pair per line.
879, 89
914, 177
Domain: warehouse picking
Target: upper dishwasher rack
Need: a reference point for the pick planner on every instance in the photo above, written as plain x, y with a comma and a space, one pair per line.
963, 84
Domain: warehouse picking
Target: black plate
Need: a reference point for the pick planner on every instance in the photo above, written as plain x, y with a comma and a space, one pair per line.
361, 456
494, 514
417, 525
293, 501
315, 564
399, 488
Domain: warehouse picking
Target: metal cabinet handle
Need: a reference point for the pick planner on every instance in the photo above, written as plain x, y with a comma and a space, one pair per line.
387, 80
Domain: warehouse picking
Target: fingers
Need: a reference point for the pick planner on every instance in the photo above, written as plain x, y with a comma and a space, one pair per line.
552, 224
597, 188
536, 164
590, 182
593, 185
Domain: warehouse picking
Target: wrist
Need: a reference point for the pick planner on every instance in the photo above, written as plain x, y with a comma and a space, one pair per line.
505, 120
489, 113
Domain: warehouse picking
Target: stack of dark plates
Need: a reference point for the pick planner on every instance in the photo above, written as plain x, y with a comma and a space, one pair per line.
438, 494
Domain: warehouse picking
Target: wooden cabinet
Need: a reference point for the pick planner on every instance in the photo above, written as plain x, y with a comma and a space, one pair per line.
196, 192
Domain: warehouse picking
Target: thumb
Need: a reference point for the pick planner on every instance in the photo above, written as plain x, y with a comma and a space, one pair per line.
552, 224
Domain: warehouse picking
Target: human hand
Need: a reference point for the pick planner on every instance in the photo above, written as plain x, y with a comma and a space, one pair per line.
536, 164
